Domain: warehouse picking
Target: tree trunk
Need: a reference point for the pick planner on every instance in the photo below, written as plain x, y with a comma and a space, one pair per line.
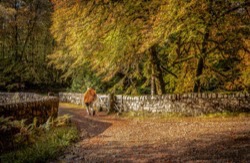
200, 66
3, 47
16, 46
203, 54
157, 80
152, 84
111, 103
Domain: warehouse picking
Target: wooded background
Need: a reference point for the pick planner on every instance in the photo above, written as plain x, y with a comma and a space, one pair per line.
130, 47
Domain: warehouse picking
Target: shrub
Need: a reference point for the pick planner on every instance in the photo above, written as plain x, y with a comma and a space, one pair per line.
36, 144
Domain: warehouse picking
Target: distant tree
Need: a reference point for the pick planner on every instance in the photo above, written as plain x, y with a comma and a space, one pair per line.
209, 40
25, 42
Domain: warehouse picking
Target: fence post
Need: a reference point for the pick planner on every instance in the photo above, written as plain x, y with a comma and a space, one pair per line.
111, 102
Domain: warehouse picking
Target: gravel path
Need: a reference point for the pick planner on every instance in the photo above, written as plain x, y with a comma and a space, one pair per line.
113, 139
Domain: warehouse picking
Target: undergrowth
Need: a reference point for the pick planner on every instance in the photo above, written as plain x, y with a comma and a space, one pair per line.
39, 144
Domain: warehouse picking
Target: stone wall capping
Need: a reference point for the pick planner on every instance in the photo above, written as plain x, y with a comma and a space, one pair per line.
22, 105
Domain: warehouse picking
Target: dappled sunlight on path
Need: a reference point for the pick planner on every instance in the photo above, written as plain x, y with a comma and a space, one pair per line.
113, 139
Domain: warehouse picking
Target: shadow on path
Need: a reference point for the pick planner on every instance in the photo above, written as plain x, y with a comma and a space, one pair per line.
88, 126
208, 148
226, 147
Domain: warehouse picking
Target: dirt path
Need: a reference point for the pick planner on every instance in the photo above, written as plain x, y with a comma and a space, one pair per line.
112, 139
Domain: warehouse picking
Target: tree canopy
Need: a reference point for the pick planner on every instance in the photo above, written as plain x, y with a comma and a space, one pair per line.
162, 46
132, 46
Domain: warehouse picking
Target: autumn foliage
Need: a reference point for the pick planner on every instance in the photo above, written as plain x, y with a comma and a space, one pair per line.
155, 46
131, 47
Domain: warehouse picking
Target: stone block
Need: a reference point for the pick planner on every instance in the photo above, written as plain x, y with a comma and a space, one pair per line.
184, 96
220, 95
242, 95
173, 97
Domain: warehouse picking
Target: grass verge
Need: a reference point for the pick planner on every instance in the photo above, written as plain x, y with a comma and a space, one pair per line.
47, 146
225, 115
147, 115
70, 105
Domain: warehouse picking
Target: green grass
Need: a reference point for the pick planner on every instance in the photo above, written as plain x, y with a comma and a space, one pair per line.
48, 146
70, 105
225, 115
147, 115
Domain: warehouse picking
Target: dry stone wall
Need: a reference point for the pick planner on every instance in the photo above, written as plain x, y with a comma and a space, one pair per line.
191, 104
74, 98
28, 105
17, 97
